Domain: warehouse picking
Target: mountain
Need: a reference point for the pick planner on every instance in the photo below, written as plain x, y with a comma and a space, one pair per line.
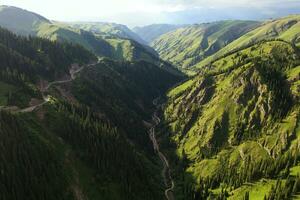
286, 28
151, 32
113, 44
118, 30
187, 46
223, 37
88, 112
74, 127
19, 20
233, 130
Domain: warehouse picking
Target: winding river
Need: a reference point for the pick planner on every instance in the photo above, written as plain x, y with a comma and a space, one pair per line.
166, 172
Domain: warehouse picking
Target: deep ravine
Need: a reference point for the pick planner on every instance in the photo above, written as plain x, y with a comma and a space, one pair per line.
166, 173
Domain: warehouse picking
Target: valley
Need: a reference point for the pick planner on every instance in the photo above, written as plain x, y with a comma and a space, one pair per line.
100, 111
166, 174
68, 123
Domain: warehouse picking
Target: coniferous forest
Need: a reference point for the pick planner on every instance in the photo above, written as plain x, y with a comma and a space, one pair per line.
185, 111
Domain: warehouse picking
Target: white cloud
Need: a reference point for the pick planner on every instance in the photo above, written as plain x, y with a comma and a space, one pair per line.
110, 9
228, 3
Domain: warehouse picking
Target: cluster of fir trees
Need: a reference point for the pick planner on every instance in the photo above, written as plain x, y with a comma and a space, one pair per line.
278, 85
284, 190
102, 147
230, 177
123, 91
34, 56
29, 166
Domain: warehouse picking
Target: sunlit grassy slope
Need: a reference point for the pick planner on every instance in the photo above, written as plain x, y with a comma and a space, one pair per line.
108, 29
188, 45
244, 106
112, 46
104, 39
287, 28
193, 47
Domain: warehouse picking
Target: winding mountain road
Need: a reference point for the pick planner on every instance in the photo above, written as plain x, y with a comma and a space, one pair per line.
73, 72
166, 172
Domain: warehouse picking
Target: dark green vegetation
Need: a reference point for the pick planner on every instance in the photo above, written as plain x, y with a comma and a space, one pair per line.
23, 62
89, 141
235, 126
151, 32
30, 166
123, 92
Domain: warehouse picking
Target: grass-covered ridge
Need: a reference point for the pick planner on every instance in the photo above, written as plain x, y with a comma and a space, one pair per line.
110, 40
193, 47
108, 29
109, 45
237, 123
188, 45
287, 28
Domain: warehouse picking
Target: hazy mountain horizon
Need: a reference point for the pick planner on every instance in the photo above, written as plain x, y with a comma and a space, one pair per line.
146, 12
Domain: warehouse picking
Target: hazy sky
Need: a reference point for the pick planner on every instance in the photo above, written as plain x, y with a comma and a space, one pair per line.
137, 12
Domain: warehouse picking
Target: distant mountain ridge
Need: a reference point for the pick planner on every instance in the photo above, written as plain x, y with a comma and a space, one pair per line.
196, 46
19, 20
152, 32
186, 46
286, 28
103, 28
104, 39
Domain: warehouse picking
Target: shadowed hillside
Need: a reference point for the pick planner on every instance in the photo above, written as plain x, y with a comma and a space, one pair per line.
76, 136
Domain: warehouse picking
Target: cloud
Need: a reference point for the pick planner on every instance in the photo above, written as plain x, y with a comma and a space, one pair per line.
190, 4
157, 11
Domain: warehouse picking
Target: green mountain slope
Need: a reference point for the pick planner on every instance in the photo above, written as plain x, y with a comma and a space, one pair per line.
287, 28
234, 128
112, 47
151, 32
187, 46
103, 28
113, 44
88, 139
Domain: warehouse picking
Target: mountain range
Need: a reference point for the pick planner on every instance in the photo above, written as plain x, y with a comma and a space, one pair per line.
104, 39
94, 110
